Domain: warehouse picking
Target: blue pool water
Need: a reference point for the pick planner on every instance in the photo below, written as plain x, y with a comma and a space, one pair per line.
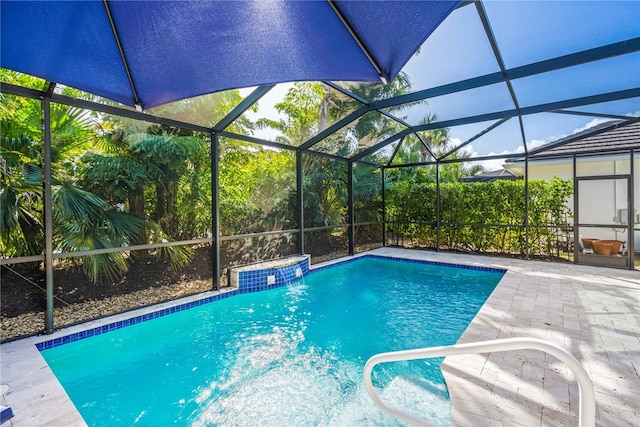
290, 356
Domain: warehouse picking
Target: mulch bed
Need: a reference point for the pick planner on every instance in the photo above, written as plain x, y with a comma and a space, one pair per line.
77, 298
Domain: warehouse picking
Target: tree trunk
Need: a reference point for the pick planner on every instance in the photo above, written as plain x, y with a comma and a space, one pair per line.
136, 207
160, 210
32, 233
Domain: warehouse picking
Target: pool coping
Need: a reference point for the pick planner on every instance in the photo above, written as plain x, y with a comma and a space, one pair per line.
475, 382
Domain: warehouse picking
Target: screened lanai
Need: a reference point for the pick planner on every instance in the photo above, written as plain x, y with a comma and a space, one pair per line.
203, 136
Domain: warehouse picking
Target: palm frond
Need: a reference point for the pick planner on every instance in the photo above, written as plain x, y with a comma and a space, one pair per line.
74, 204
8, 211
111, 266
120, 225
178, 256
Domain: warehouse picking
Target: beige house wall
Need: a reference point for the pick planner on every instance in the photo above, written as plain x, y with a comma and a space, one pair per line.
600, 201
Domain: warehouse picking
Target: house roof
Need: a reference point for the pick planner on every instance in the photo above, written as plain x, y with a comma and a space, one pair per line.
610, 137
490, 176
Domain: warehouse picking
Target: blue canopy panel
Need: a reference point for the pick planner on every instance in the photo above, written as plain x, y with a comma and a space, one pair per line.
64, 42
180, 49
392, 31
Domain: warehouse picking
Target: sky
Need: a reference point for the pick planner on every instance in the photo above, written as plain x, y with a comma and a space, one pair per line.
525, 32
528, 32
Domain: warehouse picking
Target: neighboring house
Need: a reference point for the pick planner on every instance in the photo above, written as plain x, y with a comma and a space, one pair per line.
602, 151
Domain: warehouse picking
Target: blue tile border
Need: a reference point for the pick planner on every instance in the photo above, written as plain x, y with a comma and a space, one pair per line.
98, 330
442, 264
256, 282
414, 261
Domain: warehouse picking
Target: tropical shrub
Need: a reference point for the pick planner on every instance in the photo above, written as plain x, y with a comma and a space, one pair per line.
482, 217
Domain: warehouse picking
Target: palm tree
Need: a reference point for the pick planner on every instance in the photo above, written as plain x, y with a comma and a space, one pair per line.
82, 220
143, 173
20, 189
439, 142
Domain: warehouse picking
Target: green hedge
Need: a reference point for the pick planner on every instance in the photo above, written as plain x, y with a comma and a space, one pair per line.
482, 217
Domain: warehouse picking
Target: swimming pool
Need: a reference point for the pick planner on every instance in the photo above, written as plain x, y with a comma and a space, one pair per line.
288, 356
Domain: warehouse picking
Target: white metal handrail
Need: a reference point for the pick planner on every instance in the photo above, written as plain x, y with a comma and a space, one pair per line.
587, 401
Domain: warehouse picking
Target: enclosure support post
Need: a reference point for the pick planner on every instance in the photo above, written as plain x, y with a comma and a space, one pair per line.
300, 195
526, 207
48, 215
438, 224
384, 209
576, 231
215, 209
631, 221
352, 230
